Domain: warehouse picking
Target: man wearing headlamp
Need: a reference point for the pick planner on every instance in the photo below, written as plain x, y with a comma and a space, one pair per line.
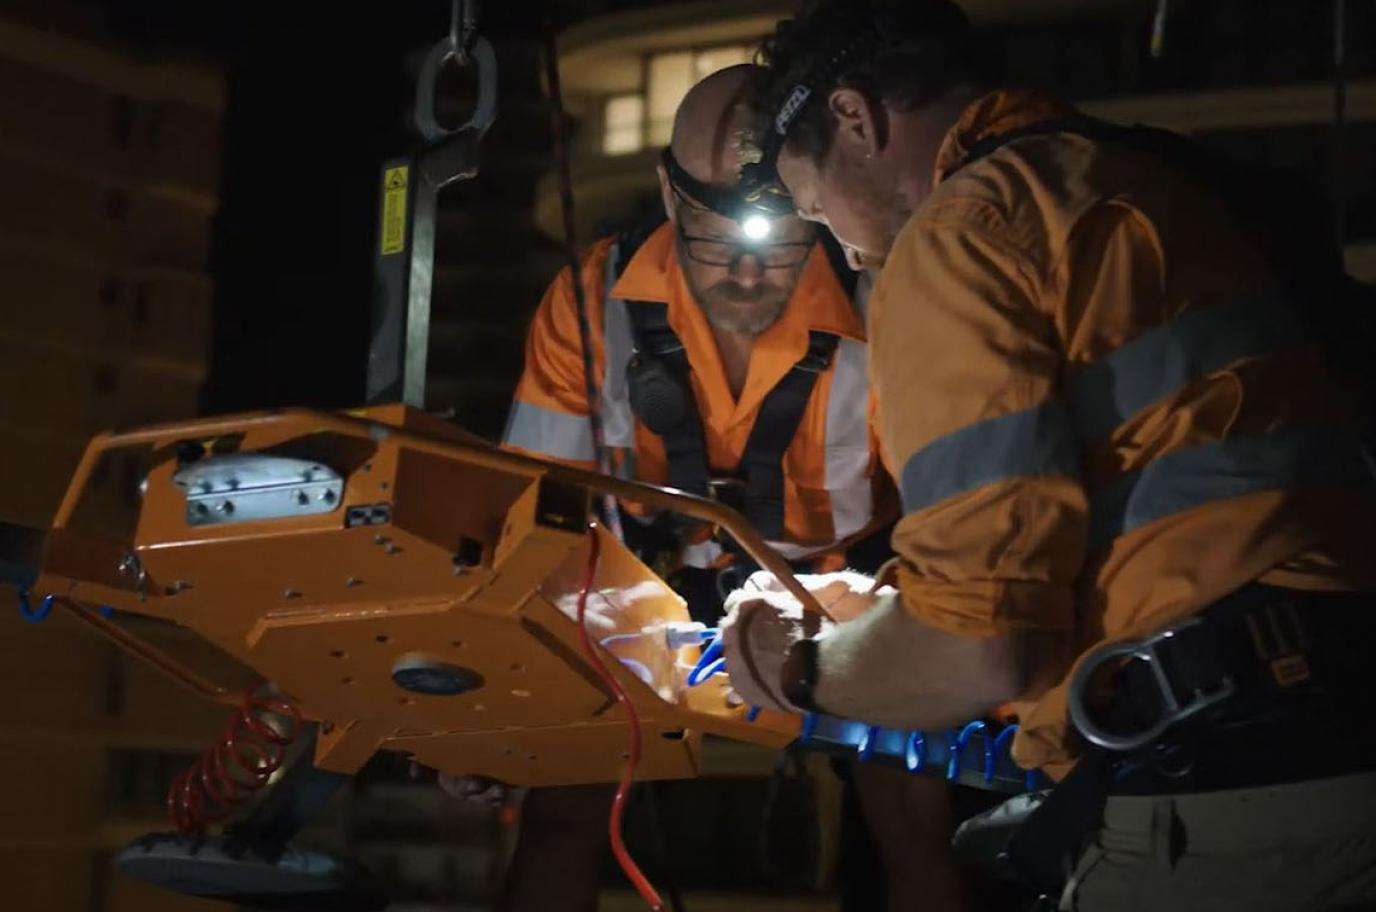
730, 358
730, 361
1127, 391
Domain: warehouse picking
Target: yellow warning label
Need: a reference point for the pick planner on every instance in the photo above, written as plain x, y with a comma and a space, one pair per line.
394, 182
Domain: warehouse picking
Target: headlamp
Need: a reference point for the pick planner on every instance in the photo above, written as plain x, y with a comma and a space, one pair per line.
761, 189
756, 224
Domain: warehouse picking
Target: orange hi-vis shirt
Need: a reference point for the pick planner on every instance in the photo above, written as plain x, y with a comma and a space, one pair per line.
1101, 415
830, 467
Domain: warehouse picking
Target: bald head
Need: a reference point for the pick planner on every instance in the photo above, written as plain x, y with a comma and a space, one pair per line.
708, 123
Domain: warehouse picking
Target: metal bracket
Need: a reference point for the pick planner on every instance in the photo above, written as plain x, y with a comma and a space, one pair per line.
238, 487
408, 193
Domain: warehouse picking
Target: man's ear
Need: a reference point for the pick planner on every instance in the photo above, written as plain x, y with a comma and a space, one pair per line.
861, 122
666, 193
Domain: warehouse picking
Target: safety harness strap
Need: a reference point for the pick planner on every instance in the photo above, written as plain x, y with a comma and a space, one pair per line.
781, 413
762, 462
684, 447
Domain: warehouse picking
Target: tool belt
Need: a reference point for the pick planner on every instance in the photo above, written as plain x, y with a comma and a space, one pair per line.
1267, 686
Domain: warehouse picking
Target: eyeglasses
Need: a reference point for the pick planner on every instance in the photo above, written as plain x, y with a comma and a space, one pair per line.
718, 251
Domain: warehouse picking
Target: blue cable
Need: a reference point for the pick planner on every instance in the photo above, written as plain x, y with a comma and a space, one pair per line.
992, 748
809, 728
35, 615
752, 714
962, 741
708, 664
865, 748
640, 670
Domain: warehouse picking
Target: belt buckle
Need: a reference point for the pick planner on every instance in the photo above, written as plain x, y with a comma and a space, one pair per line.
1143, 650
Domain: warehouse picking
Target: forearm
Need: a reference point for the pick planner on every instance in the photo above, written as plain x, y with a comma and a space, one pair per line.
890, 668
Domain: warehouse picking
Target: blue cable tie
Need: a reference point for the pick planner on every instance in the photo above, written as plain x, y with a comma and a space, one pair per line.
992, 749
915, 752
752, 714
962, 741
865, 749
809, 728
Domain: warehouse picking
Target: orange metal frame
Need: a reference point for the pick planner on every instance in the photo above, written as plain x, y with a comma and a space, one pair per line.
324, 611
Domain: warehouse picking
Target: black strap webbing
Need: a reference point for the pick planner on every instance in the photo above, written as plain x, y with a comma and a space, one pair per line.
781, 413
762, 463
684, 447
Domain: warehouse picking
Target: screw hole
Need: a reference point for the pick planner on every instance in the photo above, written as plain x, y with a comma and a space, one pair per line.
457, 644
382, 638
337, 653
517, 667
346, 680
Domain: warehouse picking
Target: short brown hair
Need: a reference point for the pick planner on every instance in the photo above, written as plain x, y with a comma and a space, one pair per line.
903, 52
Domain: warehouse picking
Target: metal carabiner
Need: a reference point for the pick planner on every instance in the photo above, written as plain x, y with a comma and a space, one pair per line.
1143, 650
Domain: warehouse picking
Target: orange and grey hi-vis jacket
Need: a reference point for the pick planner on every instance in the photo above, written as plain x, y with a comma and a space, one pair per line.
1101, 409
830, 467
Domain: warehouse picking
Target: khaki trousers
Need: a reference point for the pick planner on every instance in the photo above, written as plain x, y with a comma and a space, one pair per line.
1295, 847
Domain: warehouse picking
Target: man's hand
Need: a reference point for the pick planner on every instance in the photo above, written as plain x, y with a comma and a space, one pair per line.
763, 621
478, 790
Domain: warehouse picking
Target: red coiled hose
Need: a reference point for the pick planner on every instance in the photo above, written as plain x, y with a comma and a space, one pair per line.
623, 857
229, 772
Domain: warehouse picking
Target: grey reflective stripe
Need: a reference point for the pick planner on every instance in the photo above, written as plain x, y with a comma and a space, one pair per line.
1039, 441
555, 434
1199, 475
618, 424
1169, 357
848, 440
864, 285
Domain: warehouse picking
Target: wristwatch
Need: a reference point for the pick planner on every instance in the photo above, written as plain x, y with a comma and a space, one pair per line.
800, 675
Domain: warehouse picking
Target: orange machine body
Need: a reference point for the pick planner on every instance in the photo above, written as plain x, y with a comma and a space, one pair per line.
477, 565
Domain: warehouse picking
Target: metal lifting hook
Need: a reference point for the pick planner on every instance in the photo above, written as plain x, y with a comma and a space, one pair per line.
463, 45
